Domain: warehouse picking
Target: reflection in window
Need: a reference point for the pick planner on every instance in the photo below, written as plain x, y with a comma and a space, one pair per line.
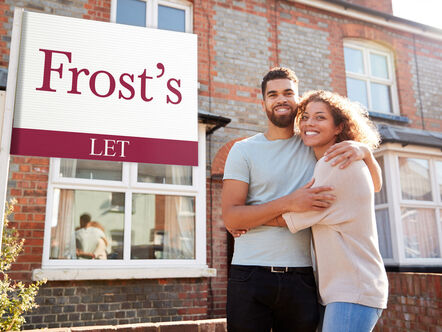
166, 174
131, 12
439, 177
368, 70
384, 233
354, 61
420, 233
170, 18
380, 97
381, 197
163, 227
91, 169
415, 179
84, 226
357, 91
379, 65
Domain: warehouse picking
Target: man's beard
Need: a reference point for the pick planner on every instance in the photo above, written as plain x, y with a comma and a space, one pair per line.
281, 121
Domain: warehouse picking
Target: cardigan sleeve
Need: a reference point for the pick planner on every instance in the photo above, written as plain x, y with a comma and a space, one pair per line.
347, 185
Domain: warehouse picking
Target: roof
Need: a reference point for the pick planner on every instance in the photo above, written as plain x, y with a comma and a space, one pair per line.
406, 136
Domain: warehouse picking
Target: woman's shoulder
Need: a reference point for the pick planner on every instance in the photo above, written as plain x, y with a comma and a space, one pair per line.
326, 167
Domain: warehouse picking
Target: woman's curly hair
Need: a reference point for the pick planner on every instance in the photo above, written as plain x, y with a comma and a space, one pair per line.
356, 124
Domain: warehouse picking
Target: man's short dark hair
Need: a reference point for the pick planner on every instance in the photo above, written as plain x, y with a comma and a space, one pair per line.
84, 219
275, 74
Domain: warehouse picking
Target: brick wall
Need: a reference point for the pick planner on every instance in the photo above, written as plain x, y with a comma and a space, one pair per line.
379, 5
414, 304
27, 183
89, 303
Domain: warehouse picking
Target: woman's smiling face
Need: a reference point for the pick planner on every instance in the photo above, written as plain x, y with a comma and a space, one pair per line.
318, 129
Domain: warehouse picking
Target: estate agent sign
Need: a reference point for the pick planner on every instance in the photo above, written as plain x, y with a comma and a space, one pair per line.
96, 90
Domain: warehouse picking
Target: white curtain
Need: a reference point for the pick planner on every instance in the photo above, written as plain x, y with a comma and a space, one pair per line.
68, 167
420, 233
179, 233
63, 234
415, 179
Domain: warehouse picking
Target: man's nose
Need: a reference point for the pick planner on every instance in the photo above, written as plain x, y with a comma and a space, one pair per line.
281, 99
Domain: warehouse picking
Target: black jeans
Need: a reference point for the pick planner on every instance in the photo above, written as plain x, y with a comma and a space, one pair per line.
261, 300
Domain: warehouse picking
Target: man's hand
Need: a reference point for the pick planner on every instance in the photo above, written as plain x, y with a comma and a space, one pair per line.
350, 151
347, 152
308, 198
237, 232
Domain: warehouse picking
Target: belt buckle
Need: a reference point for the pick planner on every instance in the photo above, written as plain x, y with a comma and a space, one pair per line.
279, 269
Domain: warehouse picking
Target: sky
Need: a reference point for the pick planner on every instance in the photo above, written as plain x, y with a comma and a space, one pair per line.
428, 12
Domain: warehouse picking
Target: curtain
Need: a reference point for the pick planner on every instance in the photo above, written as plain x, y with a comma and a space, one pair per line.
384, 233
420, 233
63, 233
68, 168
415, 179
179, 232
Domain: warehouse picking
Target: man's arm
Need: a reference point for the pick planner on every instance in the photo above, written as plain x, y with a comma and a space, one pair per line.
239, 216
347, 152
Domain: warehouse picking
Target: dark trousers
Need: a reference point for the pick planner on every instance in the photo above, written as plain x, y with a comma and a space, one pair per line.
261, 300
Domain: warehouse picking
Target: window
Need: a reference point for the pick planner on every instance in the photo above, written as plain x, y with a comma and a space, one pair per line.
125, 215
370, 76
174, 15
409, 206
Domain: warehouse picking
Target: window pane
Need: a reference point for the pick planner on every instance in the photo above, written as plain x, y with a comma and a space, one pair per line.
379, 66
357, 91
170, 18
91, 169
380, 98
132, 12
415, 179
420, 233
163, 227
384, 233
381, 197
87, 224
166, 174
354, 61
439, 177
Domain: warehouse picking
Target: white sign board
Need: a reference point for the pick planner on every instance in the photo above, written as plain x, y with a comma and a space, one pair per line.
95, 90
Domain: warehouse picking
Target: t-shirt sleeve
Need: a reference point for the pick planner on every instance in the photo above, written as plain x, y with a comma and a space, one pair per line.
346, 182
237, 167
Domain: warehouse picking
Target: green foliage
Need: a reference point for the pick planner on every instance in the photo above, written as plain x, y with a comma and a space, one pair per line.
16, 297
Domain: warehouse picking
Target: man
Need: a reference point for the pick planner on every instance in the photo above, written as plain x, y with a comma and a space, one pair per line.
271, 283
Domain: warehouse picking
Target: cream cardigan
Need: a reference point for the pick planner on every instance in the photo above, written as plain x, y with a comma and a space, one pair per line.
349, 265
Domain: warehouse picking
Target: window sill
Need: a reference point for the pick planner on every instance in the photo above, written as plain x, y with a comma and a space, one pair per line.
391, 117
126, 273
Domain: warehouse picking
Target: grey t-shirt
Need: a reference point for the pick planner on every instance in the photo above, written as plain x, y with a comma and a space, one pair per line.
272, 169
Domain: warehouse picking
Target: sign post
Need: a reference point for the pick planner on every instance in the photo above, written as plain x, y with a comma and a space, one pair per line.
8, 111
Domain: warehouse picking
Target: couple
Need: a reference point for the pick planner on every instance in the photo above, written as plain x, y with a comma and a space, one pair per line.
268, 194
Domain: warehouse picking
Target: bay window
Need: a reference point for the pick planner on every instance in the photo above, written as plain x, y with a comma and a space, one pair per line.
408, 208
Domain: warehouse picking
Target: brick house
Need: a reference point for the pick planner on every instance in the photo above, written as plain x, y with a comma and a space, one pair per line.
356, 48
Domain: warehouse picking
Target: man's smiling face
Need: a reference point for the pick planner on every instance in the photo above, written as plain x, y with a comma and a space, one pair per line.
281, 102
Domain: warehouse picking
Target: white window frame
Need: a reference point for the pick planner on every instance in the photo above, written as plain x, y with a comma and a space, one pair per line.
68, 269
367, 47
391, 153
152, 12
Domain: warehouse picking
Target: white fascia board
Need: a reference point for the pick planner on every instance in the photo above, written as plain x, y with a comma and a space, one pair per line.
337, 9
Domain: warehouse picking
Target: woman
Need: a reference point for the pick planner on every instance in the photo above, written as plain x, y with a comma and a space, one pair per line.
351, 277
